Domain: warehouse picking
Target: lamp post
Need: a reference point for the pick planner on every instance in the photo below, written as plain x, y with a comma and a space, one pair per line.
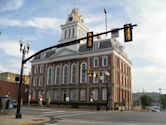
24, 48
106, 82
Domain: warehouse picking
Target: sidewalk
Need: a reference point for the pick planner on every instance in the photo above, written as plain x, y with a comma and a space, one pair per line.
8, 119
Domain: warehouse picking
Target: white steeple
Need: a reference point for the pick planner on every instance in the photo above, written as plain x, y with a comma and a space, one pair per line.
74, 27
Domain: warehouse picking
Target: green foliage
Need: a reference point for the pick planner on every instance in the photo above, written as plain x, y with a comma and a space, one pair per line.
146, 100
163, 101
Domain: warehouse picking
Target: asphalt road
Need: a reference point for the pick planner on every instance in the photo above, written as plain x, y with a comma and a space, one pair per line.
73, 117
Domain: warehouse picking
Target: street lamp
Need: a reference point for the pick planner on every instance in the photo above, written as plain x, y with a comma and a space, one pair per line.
24, 48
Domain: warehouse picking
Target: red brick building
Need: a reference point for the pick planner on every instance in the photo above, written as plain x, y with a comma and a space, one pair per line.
11, 89
78, 74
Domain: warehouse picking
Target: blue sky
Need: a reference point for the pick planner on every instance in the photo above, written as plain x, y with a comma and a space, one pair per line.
38, 21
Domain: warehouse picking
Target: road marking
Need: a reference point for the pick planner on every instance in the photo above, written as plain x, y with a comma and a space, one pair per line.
74, 114
94, 122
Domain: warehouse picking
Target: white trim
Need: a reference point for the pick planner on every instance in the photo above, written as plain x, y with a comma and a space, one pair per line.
41, 81
64, 73
84, 71
71, 76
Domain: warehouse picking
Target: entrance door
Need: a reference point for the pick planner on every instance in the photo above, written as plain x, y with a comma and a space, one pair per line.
64, 97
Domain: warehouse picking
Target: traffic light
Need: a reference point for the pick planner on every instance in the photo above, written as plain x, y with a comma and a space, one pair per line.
128, 32
89, 40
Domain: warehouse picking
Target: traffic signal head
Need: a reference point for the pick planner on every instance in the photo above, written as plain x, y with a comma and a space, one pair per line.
128, 32
89, 39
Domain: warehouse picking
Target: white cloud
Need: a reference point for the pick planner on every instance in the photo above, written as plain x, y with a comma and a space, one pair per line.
39, 22
6, 5
11, 48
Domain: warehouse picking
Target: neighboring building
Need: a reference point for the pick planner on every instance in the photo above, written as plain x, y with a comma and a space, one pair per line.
11, 89
61, 73
10, 77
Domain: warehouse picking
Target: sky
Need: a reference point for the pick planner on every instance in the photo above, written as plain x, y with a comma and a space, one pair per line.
38, 22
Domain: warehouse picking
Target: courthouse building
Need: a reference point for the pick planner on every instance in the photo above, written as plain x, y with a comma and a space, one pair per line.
79, 74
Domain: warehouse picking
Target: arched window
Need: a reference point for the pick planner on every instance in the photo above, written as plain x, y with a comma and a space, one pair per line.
41, 81
49, 76
65, 80
73, 73
57, 75
83, 75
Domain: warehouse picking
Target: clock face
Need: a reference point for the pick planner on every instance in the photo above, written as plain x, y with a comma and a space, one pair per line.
70, 18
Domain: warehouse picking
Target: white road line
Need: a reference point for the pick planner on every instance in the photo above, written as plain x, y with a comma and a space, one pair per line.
73, 114
94, 122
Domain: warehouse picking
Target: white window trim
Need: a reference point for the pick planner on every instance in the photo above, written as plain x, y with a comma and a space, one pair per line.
84, 71
103, 58
41, 70
34, 81
41, 81
95, 58
50, 67
58, 66
35, 69
64, 73
72, 73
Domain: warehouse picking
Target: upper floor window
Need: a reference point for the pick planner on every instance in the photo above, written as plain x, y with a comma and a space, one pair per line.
57, 75
49, 76
35, 69
83, 75
95, 62
96, 46
73, 73
104, 60
41, 68
41, 81
34, 81
73, 32
65, 34
65, 72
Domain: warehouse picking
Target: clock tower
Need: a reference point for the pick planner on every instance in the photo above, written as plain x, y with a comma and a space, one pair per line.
74, 27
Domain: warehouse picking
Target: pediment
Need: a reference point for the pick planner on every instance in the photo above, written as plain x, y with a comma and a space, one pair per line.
65, 52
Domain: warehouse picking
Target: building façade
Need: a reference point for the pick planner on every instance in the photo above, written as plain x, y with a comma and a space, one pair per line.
79, 74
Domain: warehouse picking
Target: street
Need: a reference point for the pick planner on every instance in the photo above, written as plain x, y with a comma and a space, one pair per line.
73, 117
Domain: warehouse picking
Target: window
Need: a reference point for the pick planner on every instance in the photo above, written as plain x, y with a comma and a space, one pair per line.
95, 78
69, 33
73, 73
49, 76
95, 62
35, 81
104, 94
65, 34
41, 68
83, 95
35, 69
73, 94
65, 74
95, 94
57, 75
104, 60
49, 94
83, 75
73, 32
41, 81
96, 46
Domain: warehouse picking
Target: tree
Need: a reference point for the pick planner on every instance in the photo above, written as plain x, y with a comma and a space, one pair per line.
146, 100
163, 100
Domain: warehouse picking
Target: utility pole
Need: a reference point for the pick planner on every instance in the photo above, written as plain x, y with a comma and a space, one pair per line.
105, 20
160, 98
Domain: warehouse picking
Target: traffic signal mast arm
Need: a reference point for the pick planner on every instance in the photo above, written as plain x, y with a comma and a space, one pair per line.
73, 42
